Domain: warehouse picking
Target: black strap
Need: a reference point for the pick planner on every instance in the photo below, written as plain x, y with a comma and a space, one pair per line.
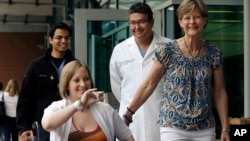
2, 96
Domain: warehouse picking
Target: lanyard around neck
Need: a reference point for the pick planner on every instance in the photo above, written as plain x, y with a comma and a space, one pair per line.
59, 69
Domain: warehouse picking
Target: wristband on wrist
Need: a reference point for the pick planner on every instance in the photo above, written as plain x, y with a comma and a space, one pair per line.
130, 110
78, 105
128, 118
225, 130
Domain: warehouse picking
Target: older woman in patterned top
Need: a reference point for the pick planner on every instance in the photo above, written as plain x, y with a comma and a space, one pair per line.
193, 76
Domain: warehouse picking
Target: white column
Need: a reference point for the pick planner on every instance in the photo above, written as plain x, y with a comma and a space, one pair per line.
246, 58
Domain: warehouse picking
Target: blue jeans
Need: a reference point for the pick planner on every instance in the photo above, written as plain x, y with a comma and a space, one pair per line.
1, 133
9, 129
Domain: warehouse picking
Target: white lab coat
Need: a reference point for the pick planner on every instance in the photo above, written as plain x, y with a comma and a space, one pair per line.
127, 71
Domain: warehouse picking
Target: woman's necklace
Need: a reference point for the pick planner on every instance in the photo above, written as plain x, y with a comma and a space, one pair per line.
189, 51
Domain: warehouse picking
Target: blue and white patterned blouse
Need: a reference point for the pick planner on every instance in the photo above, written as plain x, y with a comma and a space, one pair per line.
187, 98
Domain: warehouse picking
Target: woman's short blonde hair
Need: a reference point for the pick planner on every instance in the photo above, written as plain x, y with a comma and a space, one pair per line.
188, 5
67, 73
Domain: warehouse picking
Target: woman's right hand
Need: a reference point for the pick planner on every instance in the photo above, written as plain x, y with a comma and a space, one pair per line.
26, 136
91, 96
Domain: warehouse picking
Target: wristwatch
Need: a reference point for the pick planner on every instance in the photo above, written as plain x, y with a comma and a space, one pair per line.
78, 105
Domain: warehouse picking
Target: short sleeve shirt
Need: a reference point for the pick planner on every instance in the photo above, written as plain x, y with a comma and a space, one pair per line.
187, 97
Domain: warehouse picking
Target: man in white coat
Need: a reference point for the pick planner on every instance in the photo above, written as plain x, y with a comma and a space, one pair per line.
130, 63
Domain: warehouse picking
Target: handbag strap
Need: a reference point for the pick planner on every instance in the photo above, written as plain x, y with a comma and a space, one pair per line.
2, 96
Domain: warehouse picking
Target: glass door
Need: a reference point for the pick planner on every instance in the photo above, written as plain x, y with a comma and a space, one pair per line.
97, 31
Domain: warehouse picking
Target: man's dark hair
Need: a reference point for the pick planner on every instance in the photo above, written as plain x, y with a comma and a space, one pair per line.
142, 8
60, 25
1, 86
